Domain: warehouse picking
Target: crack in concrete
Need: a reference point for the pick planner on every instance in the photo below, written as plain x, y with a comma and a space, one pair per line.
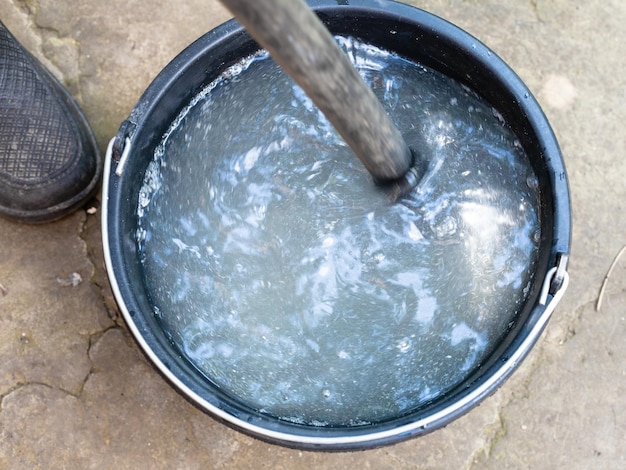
93, 337
54, 47
26, 6
21, 385
30, 10
93, 340
535, 9
98, 278
84, 232
574, 322
402, 462
498, 430
522, 389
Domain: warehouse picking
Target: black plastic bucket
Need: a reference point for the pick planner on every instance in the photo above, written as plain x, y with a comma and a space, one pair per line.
415, 35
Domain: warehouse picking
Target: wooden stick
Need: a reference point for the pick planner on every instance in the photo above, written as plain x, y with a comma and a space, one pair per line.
606, 278
299, 42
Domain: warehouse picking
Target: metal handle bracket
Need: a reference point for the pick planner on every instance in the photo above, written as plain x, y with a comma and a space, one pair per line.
556, 281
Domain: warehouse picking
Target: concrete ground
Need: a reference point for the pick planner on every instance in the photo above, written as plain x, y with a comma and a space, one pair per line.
75, 391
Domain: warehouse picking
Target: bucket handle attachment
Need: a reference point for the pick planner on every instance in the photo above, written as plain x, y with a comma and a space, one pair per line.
557, 280
121, 162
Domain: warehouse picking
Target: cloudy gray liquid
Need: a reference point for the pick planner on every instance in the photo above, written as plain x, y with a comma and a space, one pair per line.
288, 279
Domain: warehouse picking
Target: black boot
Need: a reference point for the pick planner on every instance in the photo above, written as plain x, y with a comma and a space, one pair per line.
49, 160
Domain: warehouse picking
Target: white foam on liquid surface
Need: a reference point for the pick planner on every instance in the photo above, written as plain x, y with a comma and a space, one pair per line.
290, 281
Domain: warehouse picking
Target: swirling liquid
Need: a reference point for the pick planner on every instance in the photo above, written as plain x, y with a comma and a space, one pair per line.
287, 277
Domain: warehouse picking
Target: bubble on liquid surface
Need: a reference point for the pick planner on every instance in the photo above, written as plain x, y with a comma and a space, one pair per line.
286, 277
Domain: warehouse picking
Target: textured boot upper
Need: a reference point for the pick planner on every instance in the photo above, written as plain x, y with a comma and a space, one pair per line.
48, 156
